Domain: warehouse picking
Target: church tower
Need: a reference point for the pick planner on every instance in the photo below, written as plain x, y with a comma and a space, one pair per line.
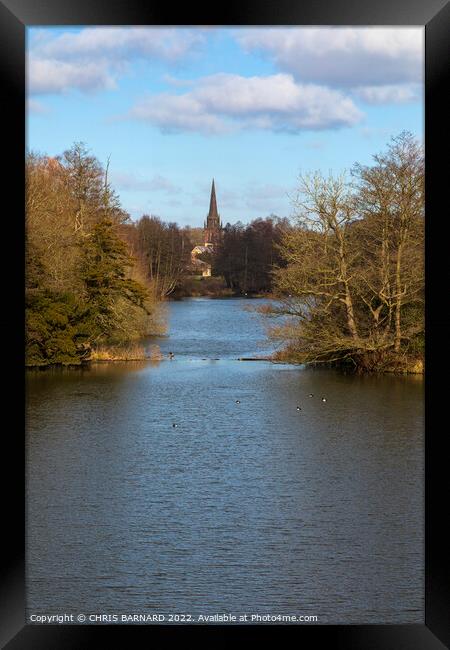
212, 226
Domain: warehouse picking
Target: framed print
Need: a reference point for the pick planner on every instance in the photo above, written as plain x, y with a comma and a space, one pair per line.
234, 271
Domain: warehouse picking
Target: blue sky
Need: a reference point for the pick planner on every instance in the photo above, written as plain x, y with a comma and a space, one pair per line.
251, 107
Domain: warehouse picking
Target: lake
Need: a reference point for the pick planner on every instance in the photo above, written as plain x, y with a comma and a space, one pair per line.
251, 507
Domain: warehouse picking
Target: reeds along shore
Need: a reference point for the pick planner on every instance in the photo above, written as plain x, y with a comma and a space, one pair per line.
135, 352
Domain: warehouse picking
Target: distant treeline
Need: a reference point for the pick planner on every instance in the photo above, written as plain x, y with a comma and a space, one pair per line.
242, 262
351, 286
248, 254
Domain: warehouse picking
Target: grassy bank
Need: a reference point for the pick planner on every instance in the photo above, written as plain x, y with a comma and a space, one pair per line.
212, 287
387, 362
134, 352
109, 354
197, 286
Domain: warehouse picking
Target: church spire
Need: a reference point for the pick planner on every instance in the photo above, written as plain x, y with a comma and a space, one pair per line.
213, 214
212, 225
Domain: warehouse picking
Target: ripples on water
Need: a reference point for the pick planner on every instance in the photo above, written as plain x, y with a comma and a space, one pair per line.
252, 507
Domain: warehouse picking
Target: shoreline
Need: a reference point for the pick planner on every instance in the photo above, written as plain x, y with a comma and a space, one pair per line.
416, 369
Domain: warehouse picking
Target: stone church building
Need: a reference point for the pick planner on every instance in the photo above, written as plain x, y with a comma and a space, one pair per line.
212, 229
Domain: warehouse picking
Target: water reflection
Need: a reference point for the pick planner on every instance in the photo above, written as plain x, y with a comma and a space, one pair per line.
250, 507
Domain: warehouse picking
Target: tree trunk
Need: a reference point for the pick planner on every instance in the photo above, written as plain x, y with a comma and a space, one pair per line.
350, 314
398, 299
348, 298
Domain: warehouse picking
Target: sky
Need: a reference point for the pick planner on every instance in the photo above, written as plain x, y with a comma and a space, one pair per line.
252, 107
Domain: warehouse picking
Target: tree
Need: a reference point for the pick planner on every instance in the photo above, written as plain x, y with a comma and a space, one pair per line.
90, 188
165, 252
104, 266
82, 285
352, 287
391, 202
57, 330
50, 237
246, 254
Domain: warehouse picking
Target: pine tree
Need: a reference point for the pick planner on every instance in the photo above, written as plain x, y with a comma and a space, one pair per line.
104, 269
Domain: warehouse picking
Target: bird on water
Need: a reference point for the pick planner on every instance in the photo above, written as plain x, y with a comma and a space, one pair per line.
324, 399
238, 402
299, 408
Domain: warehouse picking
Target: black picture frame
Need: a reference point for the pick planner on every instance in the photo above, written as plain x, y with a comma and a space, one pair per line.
15, 16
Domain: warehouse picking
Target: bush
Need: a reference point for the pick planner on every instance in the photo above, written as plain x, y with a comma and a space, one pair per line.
53, 333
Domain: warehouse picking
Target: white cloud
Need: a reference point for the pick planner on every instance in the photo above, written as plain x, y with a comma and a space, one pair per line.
168, 44
249, 199
158, 183
373, 132
174, 113
227, 102
229, 198
393, 94
36, 107
342, 57
53, 76
93, 58
265, 197
315, 144
177, 83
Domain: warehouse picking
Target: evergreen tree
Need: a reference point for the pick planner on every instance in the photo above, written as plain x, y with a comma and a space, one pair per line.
82, 286
104, 266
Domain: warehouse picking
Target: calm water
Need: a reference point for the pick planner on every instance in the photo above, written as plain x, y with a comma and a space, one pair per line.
242, 508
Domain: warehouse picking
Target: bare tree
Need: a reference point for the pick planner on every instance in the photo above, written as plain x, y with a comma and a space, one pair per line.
352, 287
391, 200
164, 251
320, 262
